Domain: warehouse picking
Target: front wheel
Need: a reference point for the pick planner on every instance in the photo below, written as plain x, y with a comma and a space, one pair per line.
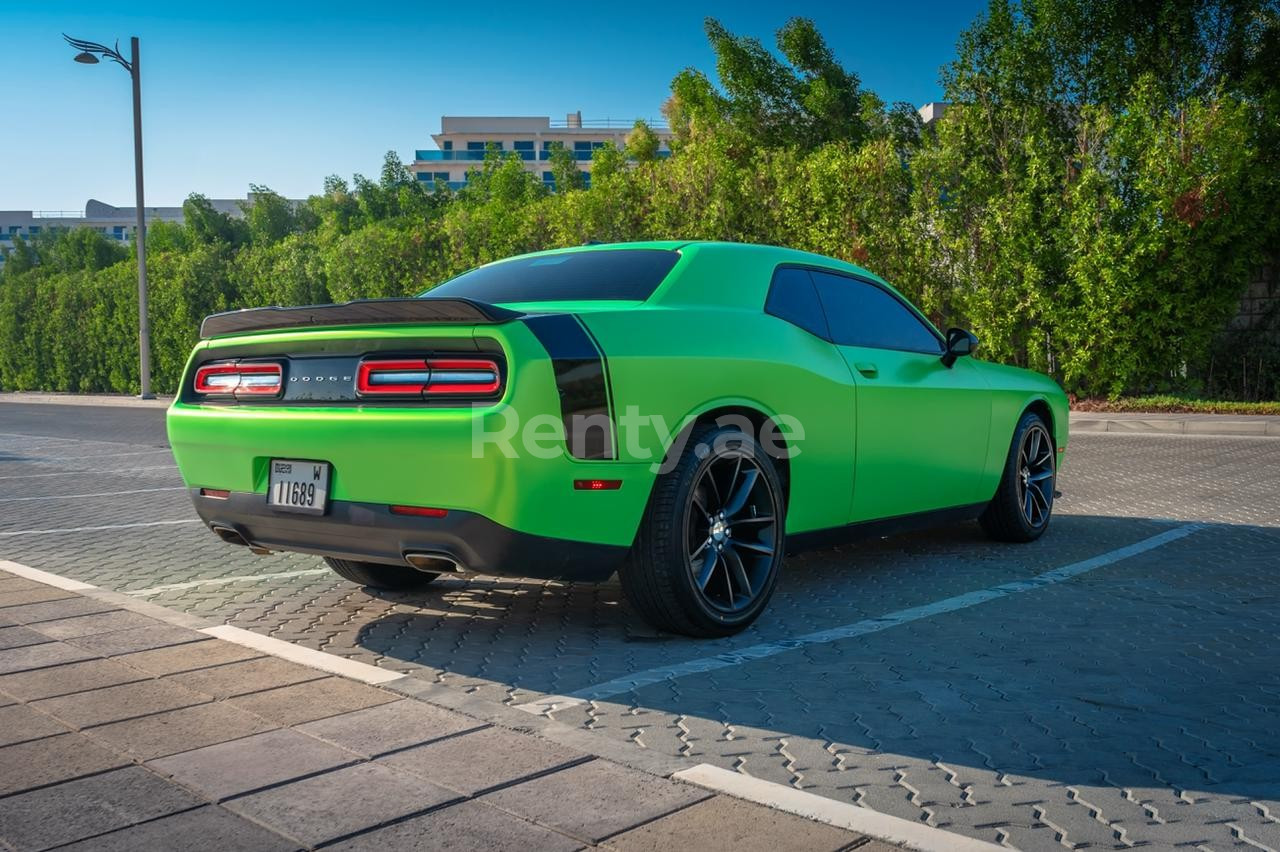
1023, 503
707, 555
375, 575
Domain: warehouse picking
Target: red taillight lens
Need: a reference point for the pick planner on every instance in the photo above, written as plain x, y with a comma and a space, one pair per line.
476, 376
428, 376
398, 378
419, 511
240, 379
215, 493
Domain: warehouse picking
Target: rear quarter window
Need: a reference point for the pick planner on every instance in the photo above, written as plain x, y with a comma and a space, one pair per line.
604, 275
793, 298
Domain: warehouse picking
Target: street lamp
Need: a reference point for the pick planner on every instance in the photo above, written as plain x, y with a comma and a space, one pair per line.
89, 53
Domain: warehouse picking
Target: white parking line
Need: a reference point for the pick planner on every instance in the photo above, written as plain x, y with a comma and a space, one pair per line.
306, 656
99, 494
905, 832
94, 455
124, 472
627, 683
57, 438
103, 527
65, 583
222, 581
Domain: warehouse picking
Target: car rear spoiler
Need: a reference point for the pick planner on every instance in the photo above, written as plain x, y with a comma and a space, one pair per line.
358, 312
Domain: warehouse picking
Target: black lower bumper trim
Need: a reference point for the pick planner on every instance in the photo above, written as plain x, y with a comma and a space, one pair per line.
369, 532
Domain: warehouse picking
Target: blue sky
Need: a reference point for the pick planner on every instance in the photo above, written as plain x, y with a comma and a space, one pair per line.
284, 93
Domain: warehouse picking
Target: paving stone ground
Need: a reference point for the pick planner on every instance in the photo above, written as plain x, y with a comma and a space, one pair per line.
184, 744
1133, 705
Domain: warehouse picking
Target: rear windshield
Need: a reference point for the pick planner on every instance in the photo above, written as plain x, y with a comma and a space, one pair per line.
608, 274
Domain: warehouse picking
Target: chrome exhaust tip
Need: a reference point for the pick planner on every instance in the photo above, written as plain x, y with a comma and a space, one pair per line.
230, 535
434, 563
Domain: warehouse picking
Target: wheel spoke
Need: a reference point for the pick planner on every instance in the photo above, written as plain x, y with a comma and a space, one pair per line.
1026, 506
708, 568
1041, 476
708, 476
738, 499
700, 503
753, 546
693, 557
735, 567
1034, 450
754, 519
1038, 497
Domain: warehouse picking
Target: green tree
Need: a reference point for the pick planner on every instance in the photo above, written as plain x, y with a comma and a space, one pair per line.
642, 143
206, 224
564, 169
269, 215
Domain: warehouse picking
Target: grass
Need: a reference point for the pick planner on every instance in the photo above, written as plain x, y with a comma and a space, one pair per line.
1175, 405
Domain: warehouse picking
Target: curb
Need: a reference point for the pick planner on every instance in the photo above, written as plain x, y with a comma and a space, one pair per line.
113, 400
872, 824
1204, 425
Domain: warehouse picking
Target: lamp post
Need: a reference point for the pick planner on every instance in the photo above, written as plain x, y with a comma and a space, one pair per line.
89, 53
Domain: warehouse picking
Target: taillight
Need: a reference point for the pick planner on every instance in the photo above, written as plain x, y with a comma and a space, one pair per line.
250, 379
428, 377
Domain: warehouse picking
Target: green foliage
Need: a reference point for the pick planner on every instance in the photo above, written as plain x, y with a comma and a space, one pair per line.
1092, 205
269, 215
642, 144
564, 169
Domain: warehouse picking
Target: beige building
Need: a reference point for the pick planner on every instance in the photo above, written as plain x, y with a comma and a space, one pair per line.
463, 140
116, 223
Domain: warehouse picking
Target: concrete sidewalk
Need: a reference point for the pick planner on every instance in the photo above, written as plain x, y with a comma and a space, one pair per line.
1222, 425
122, 731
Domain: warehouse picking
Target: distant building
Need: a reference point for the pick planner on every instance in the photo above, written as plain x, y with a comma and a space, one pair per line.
116, 223
463, 140
932, 111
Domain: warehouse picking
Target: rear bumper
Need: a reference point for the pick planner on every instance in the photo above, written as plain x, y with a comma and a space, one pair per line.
370, 532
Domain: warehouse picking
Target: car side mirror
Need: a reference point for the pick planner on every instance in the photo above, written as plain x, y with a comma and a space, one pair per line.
959, 342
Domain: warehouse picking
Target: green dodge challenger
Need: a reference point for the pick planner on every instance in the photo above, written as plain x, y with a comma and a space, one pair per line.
681, 413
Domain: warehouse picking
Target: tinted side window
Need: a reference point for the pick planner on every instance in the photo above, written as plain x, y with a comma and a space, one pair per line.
861, 314
792, 298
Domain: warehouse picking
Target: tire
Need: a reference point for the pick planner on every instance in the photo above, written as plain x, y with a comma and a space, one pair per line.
687, 573
378, 576
1023, 503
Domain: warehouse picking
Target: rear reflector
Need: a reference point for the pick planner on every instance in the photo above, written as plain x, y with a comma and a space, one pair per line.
597, 484
419, 511
252, 379
216, 493
428, 376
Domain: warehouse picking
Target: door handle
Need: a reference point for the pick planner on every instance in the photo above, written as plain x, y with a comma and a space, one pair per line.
867, 369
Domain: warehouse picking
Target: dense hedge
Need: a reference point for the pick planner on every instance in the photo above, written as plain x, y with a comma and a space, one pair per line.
1096, 219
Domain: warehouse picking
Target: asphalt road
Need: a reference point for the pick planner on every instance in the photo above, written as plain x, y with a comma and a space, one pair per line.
1114, 684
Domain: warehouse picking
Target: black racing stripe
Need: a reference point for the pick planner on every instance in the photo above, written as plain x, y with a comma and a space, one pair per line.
581, 378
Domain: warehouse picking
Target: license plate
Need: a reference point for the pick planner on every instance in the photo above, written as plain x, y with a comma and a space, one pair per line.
298, 486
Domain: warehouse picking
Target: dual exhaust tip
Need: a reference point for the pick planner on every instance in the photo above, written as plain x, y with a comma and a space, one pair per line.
434, 562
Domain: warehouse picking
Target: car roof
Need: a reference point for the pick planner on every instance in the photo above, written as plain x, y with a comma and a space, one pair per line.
778, 254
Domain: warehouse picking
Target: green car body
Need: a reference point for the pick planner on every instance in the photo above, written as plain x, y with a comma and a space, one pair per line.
872, 434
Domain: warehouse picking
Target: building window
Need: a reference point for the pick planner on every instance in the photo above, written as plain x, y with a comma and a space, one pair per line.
446, 145
117, 231
525, 149
33, 230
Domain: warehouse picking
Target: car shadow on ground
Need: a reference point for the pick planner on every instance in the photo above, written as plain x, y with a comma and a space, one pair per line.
1155, 671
